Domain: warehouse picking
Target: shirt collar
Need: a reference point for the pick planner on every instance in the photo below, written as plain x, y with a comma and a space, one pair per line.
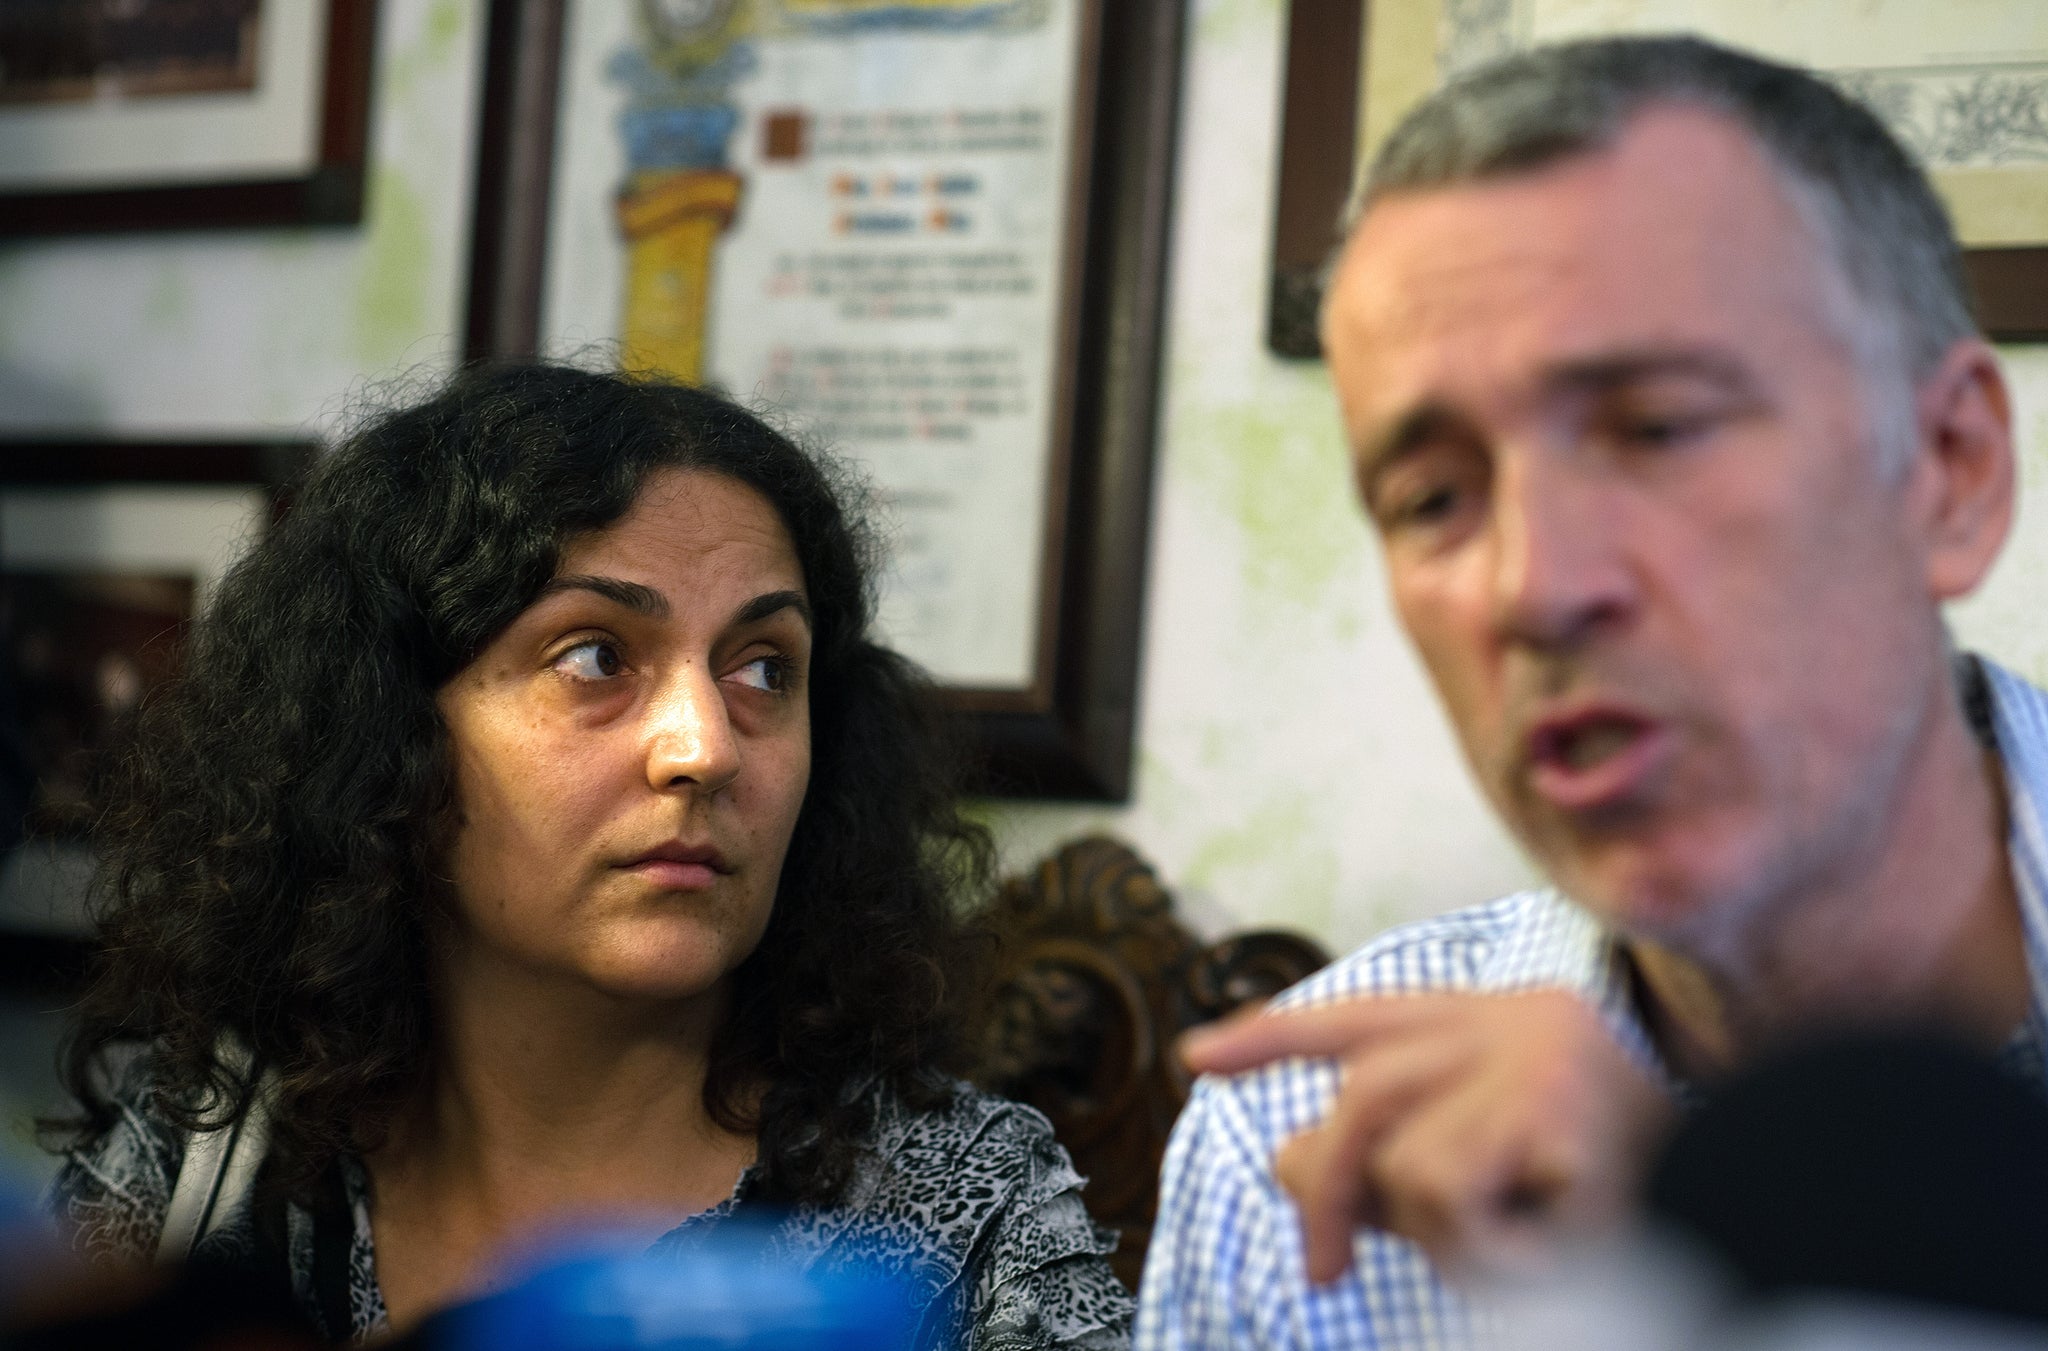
2019, 726
1561, 946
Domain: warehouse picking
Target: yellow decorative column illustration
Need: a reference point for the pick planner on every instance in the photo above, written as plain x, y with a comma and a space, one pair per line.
671, 219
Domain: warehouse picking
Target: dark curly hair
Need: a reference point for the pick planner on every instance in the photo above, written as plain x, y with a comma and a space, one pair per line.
273, 835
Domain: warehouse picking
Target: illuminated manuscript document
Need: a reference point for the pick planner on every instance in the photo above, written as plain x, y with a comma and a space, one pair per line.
854, 216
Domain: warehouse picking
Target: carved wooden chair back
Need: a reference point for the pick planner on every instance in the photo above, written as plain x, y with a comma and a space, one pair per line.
1095, 979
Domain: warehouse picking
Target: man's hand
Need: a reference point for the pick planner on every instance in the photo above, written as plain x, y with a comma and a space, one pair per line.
1475, 1124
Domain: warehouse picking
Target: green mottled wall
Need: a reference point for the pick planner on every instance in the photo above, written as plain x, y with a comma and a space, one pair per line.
1292, 768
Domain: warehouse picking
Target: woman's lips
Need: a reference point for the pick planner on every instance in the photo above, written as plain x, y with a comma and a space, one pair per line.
680, 867
1595, 759
669, 875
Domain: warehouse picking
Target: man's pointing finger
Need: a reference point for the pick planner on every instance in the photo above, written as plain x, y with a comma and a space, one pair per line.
1247, 1040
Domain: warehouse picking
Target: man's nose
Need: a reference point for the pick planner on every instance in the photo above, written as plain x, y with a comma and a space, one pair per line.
690, 741
1560, 568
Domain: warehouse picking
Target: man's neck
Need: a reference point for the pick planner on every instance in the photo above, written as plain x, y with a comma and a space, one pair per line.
1921, 927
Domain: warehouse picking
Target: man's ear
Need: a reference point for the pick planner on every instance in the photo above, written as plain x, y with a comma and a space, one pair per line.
1961, 480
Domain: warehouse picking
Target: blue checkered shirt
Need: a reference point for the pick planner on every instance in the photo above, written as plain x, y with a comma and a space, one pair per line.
1225, 1264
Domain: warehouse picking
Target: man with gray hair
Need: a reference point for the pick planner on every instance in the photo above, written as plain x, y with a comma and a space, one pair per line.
1668, 408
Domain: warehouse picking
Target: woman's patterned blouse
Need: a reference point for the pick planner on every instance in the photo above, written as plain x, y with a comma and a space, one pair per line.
975, 1204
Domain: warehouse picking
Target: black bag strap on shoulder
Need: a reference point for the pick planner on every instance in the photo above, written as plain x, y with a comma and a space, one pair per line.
334, 1237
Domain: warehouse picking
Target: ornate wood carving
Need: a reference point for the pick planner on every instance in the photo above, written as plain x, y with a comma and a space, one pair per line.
1095, 979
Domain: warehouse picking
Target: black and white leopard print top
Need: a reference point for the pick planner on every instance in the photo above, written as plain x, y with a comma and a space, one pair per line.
976, 1204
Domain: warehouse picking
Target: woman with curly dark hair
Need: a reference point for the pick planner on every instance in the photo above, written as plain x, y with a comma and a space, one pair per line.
536, 834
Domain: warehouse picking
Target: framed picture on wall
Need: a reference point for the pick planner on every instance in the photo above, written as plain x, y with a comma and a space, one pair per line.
165, 114
1963, 84
107, 550
927, 236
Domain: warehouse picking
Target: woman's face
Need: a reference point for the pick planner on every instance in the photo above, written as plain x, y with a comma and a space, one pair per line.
631, 753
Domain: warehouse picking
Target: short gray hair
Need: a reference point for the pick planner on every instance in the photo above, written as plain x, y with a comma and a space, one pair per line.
1874, 209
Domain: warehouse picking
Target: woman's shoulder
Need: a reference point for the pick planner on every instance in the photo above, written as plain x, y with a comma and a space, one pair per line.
113, 1189
1000, 1203
969, 1135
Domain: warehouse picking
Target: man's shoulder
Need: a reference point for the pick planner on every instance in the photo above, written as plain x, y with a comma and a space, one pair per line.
1479, 947
1452, 951
1225, 1266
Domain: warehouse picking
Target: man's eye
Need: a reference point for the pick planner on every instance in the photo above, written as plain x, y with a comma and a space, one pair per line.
1654, 432
1432, 505
764, 673
592, 660
1422, 506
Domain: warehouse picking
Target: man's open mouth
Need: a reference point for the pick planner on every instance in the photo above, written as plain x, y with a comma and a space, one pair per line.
1593, 757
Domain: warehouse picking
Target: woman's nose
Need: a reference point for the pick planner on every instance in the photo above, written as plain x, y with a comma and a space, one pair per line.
690, 739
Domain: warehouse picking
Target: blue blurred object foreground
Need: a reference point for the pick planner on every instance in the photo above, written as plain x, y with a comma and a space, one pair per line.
28, 1244
735, 1296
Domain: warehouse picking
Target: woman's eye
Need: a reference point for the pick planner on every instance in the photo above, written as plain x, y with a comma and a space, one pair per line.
764, 673
593, 660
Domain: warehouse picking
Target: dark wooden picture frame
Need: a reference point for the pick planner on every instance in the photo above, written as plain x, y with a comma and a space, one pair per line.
42, 962
331, 192
1318, 154
1069, 735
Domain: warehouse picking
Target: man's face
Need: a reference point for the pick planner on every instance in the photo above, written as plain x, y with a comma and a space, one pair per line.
1620, 455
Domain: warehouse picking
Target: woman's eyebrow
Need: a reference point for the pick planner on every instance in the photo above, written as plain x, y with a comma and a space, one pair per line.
635, 597
768, 602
